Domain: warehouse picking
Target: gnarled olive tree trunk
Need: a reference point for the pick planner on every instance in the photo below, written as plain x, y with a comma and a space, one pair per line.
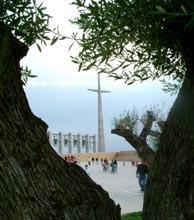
139, 141
170, 190
35, 183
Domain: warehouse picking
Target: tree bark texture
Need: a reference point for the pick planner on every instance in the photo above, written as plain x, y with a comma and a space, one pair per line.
35, 183
170, 189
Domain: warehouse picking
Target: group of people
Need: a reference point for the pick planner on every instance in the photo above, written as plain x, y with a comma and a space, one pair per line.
70, 159
106, 165
110, 167
141, 172
92, 160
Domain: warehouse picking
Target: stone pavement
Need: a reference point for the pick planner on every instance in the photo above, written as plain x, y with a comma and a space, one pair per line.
122, 186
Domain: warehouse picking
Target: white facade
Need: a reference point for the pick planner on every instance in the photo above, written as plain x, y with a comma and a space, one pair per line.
72, 143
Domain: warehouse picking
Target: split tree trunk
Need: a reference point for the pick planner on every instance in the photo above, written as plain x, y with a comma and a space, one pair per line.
170, 190
35, 183
139, 142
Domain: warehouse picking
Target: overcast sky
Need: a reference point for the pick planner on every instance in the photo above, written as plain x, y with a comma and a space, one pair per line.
59, 94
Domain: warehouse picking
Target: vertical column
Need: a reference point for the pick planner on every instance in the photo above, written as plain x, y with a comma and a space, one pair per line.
75, 141
55, 140
70, 143
79, 143
60, 135
90, 142
87, 143
84, 143
49, 135
101, 142
94, 143
65, 140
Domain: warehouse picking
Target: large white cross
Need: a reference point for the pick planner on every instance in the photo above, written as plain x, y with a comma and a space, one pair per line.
101, 142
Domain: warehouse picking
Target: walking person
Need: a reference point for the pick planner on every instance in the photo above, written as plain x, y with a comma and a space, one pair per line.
115, 166
97, 160
78, 159
89, 161
142, 173
87, 169
112, 167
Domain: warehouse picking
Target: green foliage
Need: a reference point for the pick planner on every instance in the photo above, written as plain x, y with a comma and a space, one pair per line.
128, 120
132, 216
28, 21
134, 40
170, 87
26, 74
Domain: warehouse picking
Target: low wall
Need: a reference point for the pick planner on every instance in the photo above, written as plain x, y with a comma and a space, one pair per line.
119, 156
127, 156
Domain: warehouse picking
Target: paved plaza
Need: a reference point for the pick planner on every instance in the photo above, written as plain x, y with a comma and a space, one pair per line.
122, 186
